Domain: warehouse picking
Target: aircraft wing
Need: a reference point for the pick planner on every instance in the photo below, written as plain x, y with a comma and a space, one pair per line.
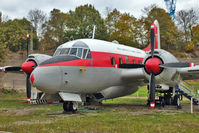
189, 73
12, 69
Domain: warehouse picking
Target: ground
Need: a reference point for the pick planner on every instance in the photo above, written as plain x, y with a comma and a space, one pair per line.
121, 115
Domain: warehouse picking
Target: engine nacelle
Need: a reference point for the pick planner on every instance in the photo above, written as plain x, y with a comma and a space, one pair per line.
38, 58
166, 76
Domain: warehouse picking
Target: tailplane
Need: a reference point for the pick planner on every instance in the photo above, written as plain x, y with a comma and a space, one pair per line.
156, 31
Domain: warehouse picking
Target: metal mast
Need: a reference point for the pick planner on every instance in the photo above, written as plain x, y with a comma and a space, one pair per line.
171, 7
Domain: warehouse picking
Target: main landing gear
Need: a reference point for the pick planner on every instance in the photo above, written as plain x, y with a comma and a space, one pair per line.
70, 106
167, 98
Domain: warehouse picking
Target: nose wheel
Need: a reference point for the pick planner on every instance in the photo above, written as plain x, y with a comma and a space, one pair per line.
70, 106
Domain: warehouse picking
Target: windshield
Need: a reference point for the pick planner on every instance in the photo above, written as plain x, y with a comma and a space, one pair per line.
78, 49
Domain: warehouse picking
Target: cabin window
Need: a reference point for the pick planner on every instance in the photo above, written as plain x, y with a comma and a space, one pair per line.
133, 61
127, 59
140, 62
120, 60
73, 51
112, 61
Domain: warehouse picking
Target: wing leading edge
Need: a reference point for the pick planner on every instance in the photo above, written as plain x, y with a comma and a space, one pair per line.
189, 73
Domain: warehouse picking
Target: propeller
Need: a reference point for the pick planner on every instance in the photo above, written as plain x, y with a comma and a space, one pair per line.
26, 67
154, 66
152, 73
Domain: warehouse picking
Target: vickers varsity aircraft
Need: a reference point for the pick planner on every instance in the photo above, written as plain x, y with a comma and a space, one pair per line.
91, 70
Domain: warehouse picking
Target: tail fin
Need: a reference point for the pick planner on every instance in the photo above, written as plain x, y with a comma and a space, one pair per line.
156, 28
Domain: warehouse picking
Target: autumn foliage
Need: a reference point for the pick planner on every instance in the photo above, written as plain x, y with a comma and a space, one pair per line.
49, 31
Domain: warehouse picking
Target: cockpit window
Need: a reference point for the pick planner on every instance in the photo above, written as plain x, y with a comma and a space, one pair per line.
78, 49
84, 53
89, 55
65, 51
79, 52
73, 51
57, 52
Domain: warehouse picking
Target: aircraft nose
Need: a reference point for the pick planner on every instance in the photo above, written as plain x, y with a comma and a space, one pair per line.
32, 78
46, 79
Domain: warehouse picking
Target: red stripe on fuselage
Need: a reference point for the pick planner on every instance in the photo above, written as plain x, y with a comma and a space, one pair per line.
99, 59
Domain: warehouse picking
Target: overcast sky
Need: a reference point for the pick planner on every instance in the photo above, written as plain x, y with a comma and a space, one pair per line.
20, 8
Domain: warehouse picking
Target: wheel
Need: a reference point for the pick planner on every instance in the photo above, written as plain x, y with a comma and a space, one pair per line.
162, 102
178, 103
73, 106
70, 106
175, 100
66, 106
167, 99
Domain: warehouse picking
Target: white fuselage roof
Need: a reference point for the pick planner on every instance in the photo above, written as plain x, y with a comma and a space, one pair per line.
108, 47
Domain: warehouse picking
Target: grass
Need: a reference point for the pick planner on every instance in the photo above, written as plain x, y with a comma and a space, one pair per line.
121, 115
142, 92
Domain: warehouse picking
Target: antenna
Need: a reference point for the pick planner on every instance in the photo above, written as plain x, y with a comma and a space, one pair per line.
93, 32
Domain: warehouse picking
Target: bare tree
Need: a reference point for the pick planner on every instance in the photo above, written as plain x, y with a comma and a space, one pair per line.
0, 17
187, 19
107, 11
37, 18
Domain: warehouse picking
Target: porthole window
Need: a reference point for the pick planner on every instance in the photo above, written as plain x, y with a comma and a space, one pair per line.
120, 61
127, 59
112, 61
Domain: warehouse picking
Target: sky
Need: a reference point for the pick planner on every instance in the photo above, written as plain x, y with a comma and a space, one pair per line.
20, 8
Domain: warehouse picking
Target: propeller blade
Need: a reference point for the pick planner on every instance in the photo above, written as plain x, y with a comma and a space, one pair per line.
175, 65
152, 90
28, 87
129, 66
152, 42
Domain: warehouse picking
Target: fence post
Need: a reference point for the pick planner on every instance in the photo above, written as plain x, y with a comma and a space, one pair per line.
191, 105
13, 86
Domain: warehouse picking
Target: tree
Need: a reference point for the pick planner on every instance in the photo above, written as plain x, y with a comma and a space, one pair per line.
168, 31
0, 17
111, 20
37, 18
53, 30
80, 24
122, 27
196, 35
187, 19
3, 48
13, 34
